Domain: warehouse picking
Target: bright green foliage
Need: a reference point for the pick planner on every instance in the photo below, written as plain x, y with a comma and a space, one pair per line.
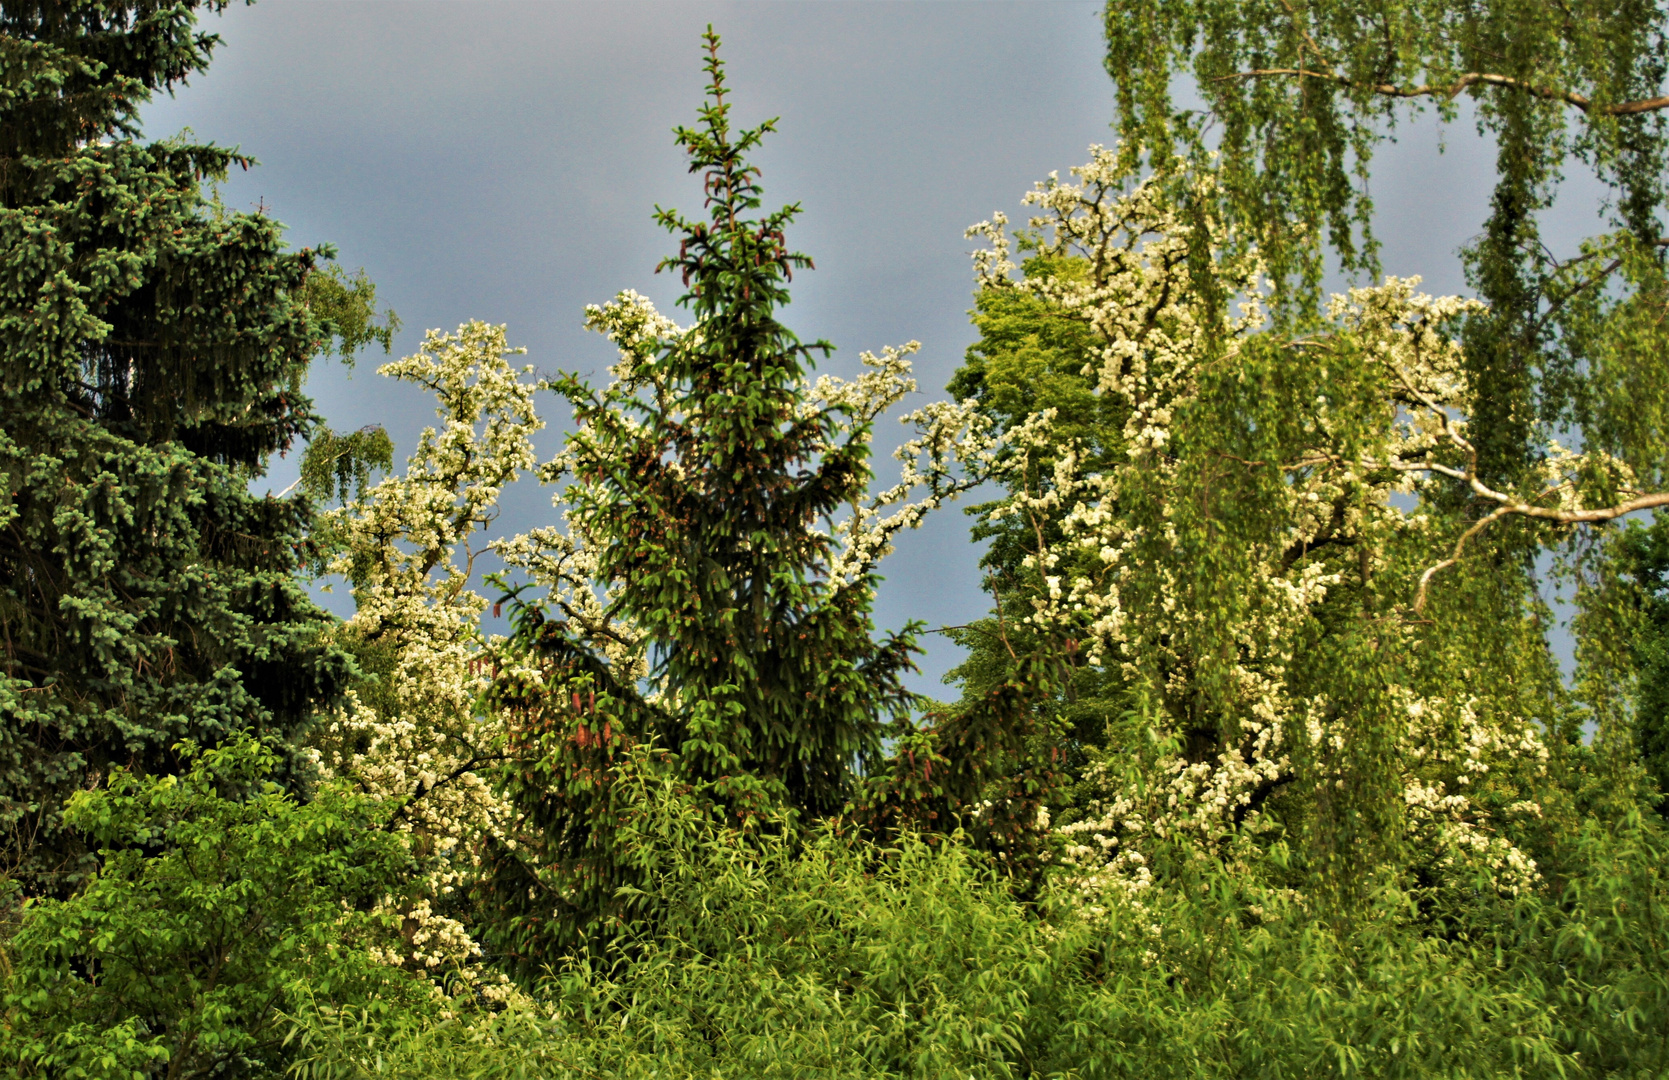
1570, 348
1600, 947
220, 904
1605, 375
1030, 357
841, 960
348, 304
154, 347
340, 466
1299, 94
701, 479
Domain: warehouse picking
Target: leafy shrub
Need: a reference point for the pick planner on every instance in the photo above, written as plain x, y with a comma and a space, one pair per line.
221, 901
1599, 950
842, 959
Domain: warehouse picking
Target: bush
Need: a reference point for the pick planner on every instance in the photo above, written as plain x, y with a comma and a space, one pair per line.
841, 959
221, 902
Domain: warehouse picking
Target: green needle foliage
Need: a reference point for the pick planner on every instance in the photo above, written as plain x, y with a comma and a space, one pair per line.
154, 347
716, 501
701, 484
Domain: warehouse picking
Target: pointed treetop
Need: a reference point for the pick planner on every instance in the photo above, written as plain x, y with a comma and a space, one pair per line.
729, 258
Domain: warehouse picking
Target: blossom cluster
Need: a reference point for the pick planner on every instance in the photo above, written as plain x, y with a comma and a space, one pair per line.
1202, 575
408, 548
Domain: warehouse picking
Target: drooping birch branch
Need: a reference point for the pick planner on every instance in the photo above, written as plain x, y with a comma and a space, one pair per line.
1450, 91
1506, 505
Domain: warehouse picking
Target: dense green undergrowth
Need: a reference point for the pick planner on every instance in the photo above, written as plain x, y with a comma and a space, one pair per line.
243, 944
842, 959
829, 956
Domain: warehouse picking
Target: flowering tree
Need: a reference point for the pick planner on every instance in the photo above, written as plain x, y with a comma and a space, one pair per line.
415, 737
1263, 548
1298, 95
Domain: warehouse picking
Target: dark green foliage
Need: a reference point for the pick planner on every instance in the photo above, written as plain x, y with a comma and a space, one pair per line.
715, 505
221, 903
154, 347
987, 767
76, 72
1647, 555
701, 486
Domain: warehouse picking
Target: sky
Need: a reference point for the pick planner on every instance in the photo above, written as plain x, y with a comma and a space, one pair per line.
502, 161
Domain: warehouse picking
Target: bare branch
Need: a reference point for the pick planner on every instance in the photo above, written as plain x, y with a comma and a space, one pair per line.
1472, 78
1506, 505
1510, 507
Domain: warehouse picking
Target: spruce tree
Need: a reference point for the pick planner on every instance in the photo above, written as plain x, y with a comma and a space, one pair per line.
701, 482
152, 348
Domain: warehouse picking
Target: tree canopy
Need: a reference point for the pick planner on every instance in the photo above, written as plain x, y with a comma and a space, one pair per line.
1263, 762
155, 349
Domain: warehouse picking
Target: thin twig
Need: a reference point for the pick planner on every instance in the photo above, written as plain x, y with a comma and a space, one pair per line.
1471, 78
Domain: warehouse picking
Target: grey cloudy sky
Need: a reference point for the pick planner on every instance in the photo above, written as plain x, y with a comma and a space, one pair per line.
501, 161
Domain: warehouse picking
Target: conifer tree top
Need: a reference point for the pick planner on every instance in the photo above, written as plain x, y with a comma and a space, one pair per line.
71, 73
736, 269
